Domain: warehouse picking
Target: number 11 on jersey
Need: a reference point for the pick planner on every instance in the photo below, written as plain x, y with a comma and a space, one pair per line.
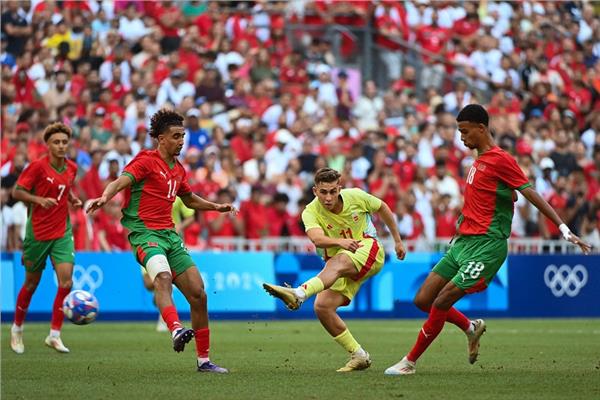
346, 234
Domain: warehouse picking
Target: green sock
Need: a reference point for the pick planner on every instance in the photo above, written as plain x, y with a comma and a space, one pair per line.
312, 286
347, 341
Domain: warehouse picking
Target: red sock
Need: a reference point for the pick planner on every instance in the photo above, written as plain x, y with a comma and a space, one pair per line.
171, 317
202, 342
431, 328
23, 300
57, 308
459, 319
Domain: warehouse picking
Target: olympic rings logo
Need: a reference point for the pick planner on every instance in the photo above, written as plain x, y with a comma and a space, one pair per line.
88, 279
565, 280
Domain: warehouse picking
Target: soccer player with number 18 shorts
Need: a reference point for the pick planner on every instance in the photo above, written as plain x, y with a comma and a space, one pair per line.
46, 185
481, 246
153, 180
338, 222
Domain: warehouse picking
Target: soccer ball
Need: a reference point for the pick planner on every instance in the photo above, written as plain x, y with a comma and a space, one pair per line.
80, 307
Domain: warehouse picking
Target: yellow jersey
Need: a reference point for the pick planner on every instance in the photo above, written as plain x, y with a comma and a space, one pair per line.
353, 222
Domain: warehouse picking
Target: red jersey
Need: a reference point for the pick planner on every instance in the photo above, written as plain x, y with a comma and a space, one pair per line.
42, 179
156, 184
489, 194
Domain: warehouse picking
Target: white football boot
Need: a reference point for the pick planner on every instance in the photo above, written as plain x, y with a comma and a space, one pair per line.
473, 339
403, 367
16, 340
56, 344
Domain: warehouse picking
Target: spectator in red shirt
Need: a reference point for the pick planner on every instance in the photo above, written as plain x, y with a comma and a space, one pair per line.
254, 214
109, 232
445, 217
410, 222
433, 38
223, 225
90, 186
392, 28
281, 223
241, 144
168, 16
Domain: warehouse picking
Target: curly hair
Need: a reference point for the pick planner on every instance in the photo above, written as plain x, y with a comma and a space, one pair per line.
162, 120
327, 175
56, 127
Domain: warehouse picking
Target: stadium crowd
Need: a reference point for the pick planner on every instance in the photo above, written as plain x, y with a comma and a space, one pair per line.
262, 113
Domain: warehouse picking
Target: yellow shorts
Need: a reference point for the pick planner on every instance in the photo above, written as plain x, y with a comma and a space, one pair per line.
368, 260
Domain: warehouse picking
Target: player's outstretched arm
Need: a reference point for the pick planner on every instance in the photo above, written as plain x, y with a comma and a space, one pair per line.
109, 192
388, 218
21, 194
320, 240
546, 209
195, 202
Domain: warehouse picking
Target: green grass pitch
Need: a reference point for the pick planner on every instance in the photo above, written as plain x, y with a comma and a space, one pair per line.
519, 359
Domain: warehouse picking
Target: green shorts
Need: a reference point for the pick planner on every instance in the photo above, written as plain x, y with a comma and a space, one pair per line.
35, 252
472, 262
368, 260
166, 242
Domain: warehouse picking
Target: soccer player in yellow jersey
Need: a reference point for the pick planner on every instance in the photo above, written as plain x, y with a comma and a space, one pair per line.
338, 222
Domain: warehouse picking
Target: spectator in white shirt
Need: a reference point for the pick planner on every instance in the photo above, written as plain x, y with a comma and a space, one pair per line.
175, 88
131, 26
368, 107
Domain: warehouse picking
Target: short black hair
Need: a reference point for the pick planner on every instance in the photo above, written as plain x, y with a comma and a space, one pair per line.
281, 198
162, 120
56, 127
473, 113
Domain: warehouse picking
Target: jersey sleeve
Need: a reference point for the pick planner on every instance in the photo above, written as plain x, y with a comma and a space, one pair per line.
369, 202
28, 177
309, 218
511, 174
138, 169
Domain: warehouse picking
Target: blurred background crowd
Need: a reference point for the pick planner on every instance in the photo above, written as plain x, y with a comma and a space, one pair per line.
272, 90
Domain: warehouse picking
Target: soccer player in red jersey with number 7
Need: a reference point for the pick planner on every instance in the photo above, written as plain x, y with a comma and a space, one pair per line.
480, 247
153, 180
46, 185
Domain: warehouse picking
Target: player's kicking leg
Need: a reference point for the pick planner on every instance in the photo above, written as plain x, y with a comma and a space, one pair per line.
291, 297
326, 305
338, 266
160, 274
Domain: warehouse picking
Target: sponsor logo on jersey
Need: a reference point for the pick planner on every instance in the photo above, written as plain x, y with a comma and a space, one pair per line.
51, 180
329, 226
164, 175
152, 244
355, 217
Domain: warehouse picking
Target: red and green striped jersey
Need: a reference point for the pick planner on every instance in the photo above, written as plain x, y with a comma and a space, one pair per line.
42, 179
489, 195
156, 185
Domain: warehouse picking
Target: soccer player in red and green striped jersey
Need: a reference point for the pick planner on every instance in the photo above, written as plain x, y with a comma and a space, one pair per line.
46, 185
153, 180
480, 246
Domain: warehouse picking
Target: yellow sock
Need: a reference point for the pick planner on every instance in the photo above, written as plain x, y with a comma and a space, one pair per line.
312, 286
347, 341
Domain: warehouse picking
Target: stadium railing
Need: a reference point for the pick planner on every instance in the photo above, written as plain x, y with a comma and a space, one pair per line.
304, 245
